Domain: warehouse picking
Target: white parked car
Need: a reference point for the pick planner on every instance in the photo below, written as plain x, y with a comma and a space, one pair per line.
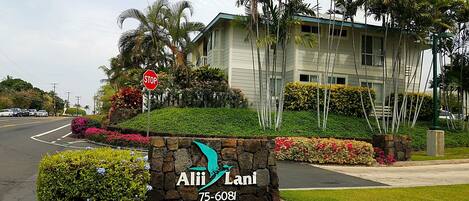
42, 113
446, 115
32, 112
6, 113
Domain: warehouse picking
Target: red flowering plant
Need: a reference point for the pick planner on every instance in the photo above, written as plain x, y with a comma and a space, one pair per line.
116, 138
79, 125
324, 151
382, 158
126, 98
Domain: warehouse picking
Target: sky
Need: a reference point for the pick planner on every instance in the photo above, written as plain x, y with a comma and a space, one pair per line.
65, 41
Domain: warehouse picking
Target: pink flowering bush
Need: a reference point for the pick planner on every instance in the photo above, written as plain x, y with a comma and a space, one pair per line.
382, 159
324, 151
79, 125
116, 138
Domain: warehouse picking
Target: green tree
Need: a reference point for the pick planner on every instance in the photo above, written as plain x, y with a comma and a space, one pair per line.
163, 25
273, 28
15, 84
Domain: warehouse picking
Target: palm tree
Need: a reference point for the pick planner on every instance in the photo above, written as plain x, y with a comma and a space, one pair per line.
146, 40
120, 75
163, 25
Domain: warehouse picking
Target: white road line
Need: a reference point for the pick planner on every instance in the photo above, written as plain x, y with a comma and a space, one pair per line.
53, 142
79, 141
45, 133
66, 135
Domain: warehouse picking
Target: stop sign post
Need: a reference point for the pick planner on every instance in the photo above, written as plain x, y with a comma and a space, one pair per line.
150, 81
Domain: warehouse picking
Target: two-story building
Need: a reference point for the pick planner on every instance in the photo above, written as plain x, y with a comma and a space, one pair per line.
223, 45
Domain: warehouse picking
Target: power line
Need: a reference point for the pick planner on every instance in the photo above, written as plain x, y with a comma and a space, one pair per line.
18, 66
78, 105
68, 99
54, 84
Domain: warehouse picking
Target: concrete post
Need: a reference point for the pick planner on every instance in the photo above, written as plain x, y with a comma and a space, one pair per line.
435, 142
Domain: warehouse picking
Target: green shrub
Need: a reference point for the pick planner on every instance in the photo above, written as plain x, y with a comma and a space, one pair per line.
345, 100
96, 117
99, 174
208, 87
73, 111
324, 151
95, 121
426, 111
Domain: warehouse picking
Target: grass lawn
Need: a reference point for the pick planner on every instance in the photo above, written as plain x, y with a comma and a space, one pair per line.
243, 122
436, 193
450, 153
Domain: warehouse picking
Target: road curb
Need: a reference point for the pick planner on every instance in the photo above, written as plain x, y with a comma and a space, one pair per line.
430, 162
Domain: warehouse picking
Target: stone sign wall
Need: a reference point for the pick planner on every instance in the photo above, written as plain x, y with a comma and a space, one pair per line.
400, 146
248, 164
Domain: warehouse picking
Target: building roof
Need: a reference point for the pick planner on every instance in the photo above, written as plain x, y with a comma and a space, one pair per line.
321, 20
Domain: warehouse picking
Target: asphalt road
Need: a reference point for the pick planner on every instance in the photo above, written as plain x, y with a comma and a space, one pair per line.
294, 175
20, 153
24, 141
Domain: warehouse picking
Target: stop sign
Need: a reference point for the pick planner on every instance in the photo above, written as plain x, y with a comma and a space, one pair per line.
150, 80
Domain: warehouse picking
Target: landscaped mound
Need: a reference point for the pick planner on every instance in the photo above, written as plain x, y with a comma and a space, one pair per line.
99, 174
244, 123
324, 151
116, 138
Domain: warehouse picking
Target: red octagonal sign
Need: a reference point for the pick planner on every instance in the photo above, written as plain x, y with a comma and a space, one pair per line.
150, 80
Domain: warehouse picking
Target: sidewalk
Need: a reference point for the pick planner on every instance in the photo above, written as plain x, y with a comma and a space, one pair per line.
410, 174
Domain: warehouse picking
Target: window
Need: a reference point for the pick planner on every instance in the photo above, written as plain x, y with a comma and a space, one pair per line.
372, 51
377, 87
211, 40
275, 86
338, 32
309, 78
309, 29
214, 38
209, 43
336, 80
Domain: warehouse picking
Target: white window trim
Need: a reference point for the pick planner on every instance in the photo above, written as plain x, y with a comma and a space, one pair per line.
338, 37
370, 81
361, 49
310, 73
338, 75
311, 25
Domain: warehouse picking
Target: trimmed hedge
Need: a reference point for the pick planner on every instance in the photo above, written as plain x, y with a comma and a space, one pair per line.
99, 174
345, 100
324, 151
426, 111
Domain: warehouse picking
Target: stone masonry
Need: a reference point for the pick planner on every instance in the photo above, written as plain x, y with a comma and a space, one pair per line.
400, 146
169, 156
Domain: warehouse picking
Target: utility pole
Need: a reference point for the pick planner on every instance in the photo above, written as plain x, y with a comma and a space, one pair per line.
77, 106
54, 84
68, 99
94, 104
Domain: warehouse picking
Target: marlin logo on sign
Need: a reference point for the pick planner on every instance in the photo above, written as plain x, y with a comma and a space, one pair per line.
212, 165
215, 172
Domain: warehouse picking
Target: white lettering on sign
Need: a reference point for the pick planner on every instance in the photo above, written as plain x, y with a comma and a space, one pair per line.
150, 79
198, 179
